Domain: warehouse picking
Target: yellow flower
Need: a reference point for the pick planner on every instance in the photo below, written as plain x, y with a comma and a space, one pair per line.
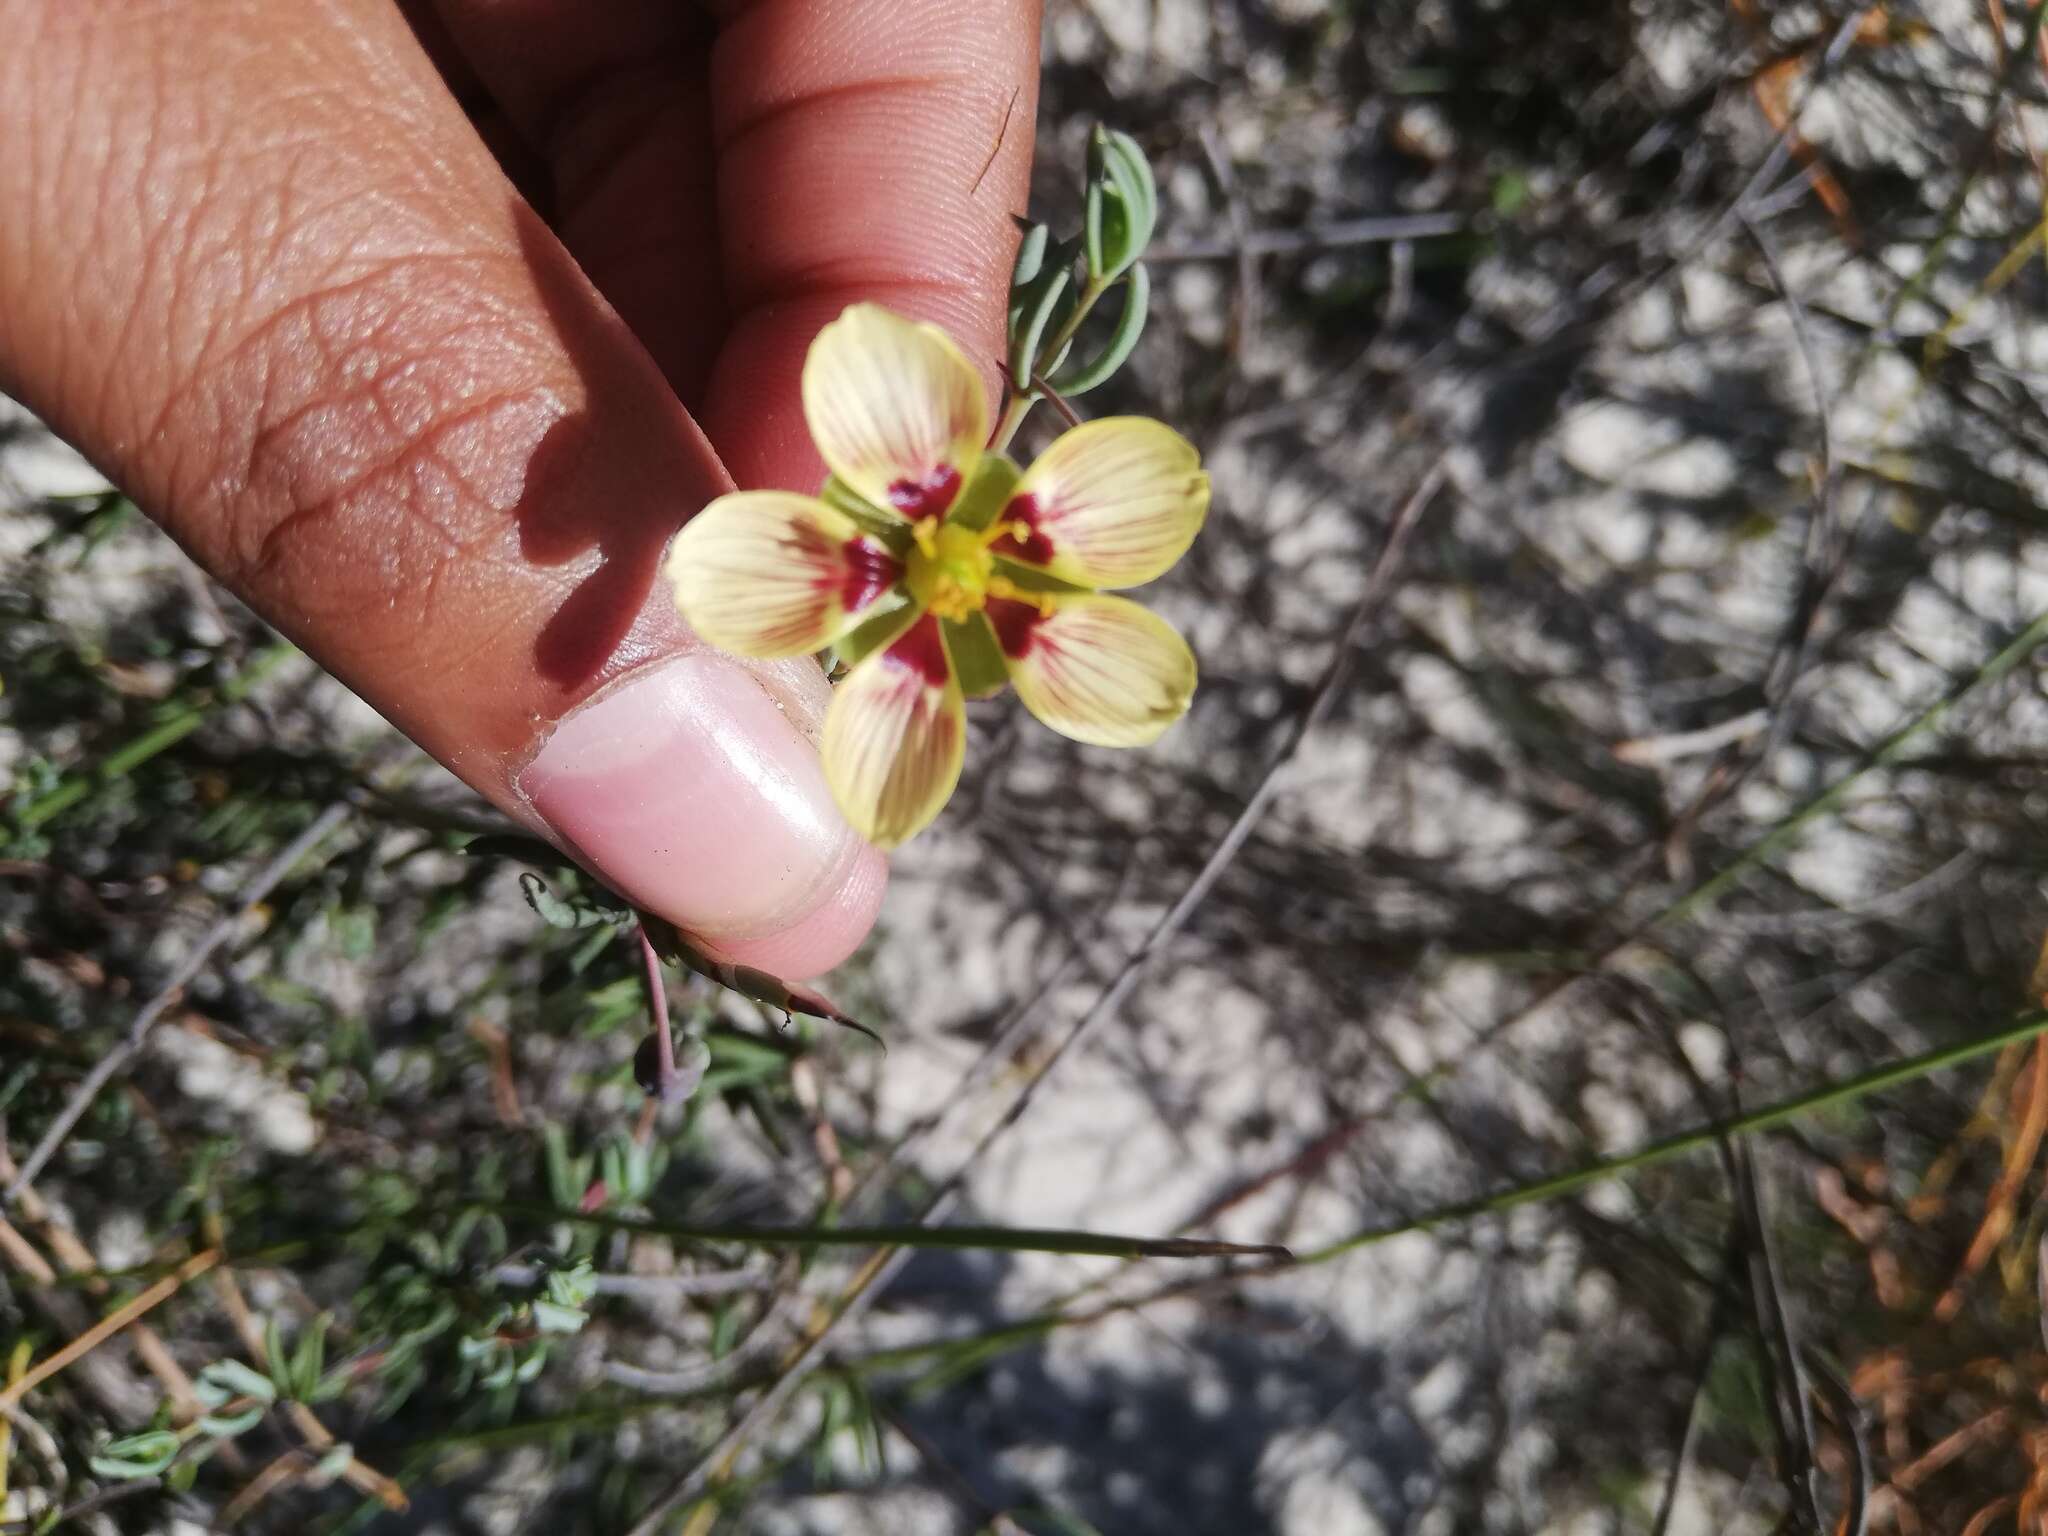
941, 572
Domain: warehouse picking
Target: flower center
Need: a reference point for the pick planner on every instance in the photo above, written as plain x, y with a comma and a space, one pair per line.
951, 572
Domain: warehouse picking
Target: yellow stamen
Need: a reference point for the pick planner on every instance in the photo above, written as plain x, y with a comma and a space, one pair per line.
952, 573
1002, 586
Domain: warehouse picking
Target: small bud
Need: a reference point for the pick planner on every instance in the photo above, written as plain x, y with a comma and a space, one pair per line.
1122, 204
693, 1059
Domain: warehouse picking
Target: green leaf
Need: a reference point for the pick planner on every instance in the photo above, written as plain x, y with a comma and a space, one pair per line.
511, 845
333, 1384
144, 1455
1082, 377
309, 1362
574, 1286
985, 495
557, 912
1122, 203
1095, 196
225, 1426
550, 1317
1042, 302
280, 1362
977, 659
355, 931
1054, 1522
1030, 256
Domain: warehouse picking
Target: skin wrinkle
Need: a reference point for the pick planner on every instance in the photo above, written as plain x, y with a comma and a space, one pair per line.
132, 313
417, 451
394, 462
851, 277
58, 174
730, 137
304, 308
197, 277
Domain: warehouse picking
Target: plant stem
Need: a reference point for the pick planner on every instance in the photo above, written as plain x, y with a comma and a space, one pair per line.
1019, 407
1049, 354
158, 738
1891, 1075
657, 1012
1887, 753
1024, 392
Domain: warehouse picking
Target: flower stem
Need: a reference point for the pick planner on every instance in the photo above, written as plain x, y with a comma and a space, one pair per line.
657, 1013
1050, 352
1014, 412
1025, 392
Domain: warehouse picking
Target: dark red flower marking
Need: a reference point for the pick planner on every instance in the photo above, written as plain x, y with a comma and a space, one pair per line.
930, 497
870, 570
1037, 548
1016, 625
923, 649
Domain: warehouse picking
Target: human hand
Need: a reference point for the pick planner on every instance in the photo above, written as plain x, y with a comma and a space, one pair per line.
423, 328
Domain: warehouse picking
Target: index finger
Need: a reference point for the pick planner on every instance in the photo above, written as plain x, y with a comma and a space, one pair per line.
868, 150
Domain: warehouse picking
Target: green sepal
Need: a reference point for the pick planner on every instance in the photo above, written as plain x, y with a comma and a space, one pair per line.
1032, 579
977, 658
987, 492
892, 530
872, 635
1130, 326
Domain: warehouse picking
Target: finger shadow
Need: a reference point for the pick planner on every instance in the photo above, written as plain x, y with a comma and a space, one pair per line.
587, 482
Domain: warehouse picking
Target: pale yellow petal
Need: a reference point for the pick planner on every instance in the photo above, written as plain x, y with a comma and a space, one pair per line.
1111, 503
1099, 669
897, 411
895, 736
770, 574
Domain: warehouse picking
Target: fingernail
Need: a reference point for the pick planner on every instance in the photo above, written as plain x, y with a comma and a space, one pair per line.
691, 792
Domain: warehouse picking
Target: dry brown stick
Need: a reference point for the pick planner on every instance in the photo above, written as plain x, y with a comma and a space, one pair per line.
71, 1514
25, 1256
39, 1440
2030, 1095
803, 1084
1244, 319
113, 1389
289, 1465
112, 1324
504, 1087
78, 1260
359, 1475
